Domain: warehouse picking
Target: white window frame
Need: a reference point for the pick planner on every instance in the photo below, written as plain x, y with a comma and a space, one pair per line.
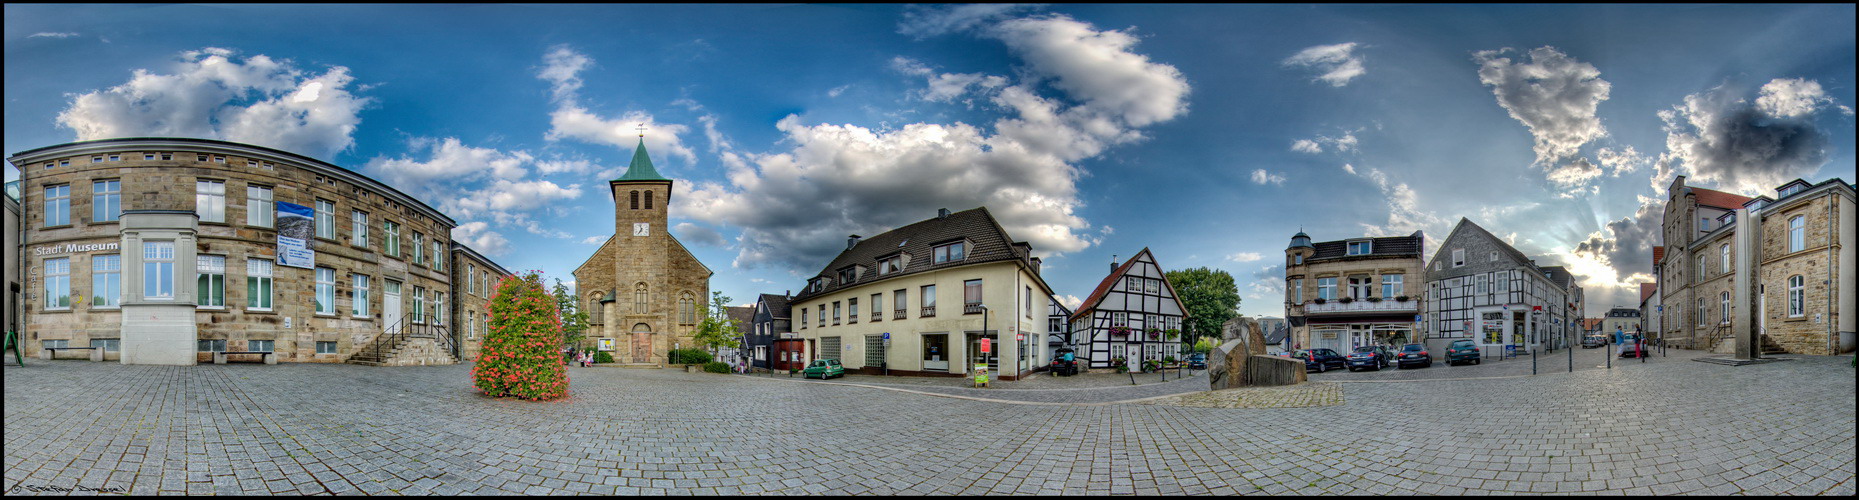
392, 245
1797, 233
259, 285
258, 207
261, 345
1326, 288
358, 228
419, 305
1724, 315
438, 254
1797, 296
106, 281
325, 219
106, 200
158, 269
58, 205
1393, 285
332, 347
325, 299
419, 248
438, 307
58, 284
1723, 263
206, 287
210, 200
947, 252
1360, 248
1458, 257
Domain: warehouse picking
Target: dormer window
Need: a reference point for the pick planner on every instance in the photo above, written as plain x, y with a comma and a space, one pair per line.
848, 275
891, 264
1791, 189
951, 252
1360, 248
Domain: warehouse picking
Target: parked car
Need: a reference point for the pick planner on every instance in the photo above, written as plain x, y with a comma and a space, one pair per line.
1461, 351
1064, 362
1197, 361
824, 368
1632, 347
1414, 354
1593, 341
1320, 359
1370, 356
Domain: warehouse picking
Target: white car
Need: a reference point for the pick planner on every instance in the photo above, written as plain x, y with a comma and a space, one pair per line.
1632, 347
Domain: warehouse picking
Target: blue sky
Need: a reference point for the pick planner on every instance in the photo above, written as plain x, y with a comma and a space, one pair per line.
1206, 133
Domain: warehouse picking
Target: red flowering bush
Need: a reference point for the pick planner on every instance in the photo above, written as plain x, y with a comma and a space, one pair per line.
522, 352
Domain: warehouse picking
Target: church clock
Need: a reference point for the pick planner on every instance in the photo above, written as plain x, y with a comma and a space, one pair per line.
641, 228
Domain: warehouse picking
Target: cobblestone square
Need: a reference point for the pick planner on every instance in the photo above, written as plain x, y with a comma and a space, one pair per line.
77, 427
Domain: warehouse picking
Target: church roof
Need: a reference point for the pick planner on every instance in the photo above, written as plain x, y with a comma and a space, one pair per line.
641, 168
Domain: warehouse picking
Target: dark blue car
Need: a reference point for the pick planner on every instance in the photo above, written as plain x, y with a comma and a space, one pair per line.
1320, 359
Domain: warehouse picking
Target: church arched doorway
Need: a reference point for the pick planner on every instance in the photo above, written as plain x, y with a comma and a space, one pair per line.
642, 343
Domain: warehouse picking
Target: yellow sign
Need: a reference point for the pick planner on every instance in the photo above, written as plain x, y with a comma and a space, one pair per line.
981, 374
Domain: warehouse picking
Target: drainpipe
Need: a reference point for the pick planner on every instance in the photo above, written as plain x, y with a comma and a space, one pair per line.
1832, 348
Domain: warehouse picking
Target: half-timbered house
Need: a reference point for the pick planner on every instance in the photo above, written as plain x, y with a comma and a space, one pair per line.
1133, 315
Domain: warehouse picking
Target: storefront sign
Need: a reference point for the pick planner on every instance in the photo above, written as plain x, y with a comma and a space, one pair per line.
984, 346
790, 335
296, 224
981, 373
606, 345
74, 248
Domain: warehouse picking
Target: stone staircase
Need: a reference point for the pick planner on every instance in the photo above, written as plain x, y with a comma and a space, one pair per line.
407, 344
1725, 345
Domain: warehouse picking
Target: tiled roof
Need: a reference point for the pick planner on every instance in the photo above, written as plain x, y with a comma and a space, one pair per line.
988, 242
1590, 324
1658, 254
1558, 274
1647, 289
743, 315
777, 305
1397, 245
1719, 199
1103, 287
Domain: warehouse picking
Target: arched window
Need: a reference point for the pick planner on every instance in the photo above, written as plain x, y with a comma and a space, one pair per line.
648, 200
1797, 233
687, 309
635, 197
594, 310
1797, 298
639, 298
1724, 316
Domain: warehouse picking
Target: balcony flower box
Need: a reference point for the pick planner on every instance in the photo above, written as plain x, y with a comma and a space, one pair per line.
1119, 330
1374, 299
1318, 301
1402, 298
1155, 333
1172, 333
1346, 300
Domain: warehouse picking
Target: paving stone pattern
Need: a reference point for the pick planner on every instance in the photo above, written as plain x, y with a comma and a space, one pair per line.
1667, 428
1289, 396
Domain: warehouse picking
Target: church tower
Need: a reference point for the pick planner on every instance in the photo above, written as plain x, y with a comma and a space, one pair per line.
642, 287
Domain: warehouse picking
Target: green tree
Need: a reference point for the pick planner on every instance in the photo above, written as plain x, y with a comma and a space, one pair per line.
717, 330
522, 351
1210, 296
574, 320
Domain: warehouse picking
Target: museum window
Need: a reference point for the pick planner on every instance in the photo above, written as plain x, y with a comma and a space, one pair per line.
419, 248
58, 283
325, 347
392, 246
108, 345
928, 296
258, 206
106, 281
359, 305
210, 281
325, 290
106, 200
325, 219
419, 305
57, 205
1797, 297
438, 306
215, 345
358, 228
258, 284
158, 270
438, 254
1797, 233
260, 345
210, 200
1724, 314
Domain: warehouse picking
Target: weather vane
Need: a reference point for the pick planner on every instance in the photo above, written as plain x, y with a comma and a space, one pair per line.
642, 131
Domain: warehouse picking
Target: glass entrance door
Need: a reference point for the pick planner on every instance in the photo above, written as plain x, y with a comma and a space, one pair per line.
936, 352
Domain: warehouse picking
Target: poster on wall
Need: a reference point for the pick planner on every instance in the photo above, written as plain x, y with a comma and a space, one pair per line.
296, 224
606, 345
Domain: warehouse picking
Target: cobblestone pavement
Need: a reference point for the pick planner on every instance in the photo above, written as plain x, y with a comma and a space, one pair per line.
1665, 428
1093, 389
1289, 396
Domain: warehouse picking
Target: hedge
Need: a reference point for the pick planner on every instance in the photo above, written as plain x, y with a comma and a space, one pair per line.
689, 357
716, 367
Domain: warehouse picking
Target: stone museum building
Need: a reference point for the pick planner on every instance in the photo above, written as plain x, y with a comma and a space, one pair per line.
178, 251
1350, 293
1803, 258
642, 288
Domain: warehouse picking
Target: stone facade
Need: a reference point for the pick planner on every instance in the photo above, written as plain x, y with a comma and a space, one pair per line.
1694, 273
642, 287
474, 278
1371, 298
162, 174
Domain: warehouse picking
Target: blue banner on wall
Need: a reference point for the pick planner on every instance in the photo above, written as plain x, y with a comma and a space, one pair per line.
296, 225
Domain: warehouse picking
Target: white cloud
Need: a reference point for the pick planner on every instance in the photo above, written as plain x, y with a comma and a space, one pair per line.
795, 206
1260, 176
594, 240
1793, 98
211, 95
1346, 143
1722, 139
1069, 301
923, 21
835, 91
450, 159
1336, 64
562, 67
1551, 93
478, 236
1405, 214
1244, 257
501, 195
1620, 161
1574, 174
698, 235
48, 34
1306, 146
1349, 168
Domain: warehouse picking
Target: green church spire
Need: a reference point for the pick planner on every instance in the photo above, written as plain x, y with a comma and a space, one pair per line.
641, 168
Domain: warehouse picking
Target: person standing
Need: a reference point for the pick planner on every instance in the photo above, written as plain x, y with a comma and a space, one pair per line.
1640, 348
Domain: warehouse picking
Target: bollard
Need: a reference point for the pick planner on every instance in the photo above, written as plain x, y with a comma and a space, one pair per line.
1608, 352
1532, 361
1571, 359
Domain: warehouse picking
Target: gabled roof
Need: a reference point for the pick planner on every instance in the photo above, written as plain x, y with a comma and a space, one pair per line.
1646, 291
1468, 225
777, 305
1402, 246
743, 315
1658, 254
1590, 324
1718, 199
1558, 274
641, 167
989, 242
1103, 287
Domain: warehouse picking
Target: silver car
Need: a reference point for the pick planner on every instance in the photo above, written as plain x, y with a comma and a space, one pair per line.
1632, 347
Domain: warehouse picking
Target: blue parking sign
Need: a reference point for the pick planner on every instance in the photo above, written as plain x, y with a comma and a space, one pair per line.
887, 335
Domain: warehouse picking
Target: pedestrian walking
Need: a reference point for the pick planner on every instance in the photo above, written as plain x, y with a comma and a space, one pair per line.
1640, 349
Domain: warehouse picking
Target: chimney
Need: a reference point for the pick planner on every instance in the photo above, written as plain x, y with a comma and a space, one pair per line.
942, 213
852, 242
1035, 265
787, 294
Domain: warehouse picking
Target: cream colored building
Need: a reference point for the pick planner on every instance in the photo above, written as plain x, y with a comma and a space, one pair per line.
938, 288
1356, 292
